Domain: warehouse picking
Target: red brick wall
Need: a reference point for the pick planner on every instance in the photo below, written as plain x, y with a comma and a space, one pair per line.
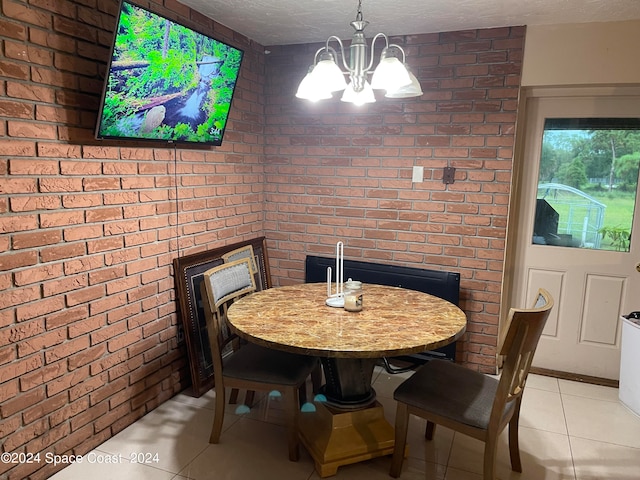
88, 231
339, 172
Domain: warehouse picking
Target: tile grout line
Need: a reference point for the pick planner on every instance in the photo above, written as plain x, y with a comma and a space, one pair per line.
566, 426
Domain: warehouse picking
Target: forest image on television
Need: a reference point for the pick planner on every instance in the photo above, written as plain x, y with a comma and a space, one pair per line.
166, 81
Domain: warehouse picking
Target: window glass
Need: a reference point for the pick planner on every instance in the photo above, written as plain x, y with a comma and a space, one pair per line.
588, 183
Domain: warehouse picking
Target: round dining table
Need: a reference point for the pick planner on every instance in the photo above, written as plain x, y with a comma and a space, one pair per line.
348, 424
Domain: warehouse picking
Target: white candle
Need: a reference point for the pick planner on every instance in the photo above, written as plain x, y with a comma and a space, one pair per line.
350, 302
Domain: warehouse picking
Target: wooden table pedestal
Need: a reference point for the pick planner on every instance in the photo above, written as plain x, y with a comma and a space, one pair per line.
334, 438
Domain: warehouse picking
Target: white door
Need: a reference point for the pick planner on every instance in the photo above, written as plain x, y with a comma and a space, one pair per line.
559, 242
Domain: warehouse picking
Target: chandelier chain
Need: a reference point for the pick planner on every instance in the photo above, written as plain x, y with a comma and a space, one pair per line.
359, 16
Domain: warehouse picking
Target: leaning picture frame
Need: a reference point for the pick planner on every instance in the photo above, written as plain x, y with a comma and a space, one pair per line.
189, 270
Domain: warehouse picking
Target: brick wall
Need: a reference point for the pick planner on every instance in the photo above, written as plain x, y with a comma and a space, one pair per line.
339, 172
88, 231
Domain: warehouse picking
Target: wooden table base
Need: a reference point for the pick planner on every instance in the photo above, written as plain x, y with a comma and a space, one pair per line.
334, 438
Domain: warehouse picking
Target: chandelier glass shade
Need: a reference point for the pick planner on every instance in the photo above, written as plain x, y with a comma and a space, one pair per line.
309, 91
406, 91
325, 76
365, 95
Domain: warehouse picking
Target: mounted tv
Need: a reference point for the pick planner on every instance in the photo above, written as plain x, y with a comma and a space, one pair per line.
166, 82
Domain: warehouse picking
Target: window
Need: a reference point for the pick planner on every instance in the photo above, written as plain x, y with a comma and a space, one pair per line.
588, 183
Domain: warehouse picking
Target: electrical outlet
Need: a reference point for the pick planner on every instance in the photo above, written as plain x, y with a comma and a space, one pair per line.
418, 174
449, 175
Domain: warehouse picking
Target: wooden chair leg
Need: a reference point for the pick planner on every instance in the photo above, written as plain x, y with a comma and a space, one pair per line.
249, 397
514, 447
292, 408
316, 378
402, 426
302, 394
430, 430
233, 397
218, 416
490, 447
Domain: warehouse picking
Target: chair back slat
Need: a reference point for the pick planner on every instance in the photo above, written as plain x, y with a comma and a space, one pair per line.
519, 346
240, 253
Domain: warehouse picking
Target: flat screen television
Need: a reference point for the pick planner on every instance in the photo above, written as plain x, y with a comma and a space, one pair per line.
166, 82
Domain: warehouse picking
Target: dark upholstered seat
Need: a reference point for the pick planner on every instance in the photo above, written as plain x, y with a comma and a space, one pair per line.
254, 363
451, 391
470, 402
249, 366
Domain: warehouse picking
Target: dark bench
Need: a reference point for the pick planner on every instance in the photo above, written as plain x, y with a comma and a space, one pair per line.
442, 284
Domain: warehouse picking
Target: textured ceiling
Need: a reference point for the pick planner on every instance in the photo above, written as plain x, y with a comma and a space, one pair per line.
281, 22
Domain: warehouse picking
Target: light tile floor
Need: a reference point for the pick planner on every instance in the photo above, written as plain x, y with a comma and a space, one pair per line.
568, 430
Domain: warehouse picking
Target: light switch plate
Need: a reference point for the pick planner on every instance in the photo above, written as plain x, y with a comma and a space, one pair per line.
418, 174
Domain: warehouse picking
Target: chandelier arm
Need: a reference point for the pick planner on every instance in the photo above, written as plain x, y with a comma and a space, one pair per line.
373, 44
315, 57
395, 45
328, 47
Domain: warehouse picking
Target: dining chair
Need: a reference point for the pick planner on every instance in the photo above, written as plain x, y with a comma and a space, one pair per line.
247, 365
246, 251
470, 402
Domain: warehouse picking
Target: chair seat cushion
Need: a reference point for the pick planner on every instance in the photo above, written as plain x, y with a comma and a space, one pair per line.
260, 364
450, 390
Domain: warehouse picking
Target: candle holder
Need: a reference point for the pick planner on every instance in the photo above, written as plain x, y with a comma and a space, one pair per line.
336, 299
353, 296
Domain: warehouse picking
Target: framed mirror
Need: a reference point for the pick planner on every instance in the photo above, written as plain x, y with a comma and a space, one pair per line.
189, 271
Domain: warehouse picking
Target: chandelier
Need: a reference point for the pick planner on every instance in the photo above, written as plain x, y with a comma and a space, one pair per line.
392, 75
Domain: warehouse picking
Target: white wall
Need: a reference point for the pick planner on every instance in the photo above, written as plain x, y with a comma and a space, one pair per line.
582, 54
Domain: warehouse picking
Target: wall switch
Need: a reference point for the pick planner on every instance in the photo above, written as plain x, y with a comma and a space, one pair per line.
418, 174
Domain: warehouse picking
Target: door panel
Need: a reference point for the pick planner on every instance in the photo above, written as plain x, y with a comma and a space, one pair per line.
552, 281
599, 322
591, 286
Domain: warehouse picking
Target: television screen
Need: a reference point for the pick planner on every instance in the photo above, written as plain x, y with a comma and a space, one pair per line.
166, 81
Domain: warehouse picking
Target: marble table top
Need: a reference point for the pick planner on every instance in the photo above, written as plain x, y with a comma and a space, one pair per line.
393, 321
